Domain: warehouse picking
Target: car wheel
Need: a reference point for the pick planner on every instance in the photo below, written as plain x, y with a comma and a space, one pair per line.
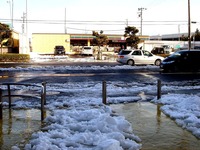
130, 62
158, 62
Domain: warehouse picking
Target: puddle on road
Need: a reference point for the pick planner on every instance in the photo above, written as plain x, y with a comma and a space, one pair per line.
156, 130
17, 127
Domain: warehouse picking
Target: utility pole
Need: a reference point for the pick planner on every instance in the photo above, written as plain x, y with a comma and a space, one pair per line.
65, 22
127, 22
12, 14
22, 41
140, 14
189, 28
27, 38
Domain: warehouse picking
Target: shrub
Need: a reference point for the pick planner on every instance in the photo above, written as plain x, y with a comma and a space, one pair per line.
14, 57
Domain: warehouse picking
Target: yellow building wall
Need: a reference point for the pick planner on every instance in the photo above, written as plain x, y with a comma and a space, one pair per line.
15, 37
45, 43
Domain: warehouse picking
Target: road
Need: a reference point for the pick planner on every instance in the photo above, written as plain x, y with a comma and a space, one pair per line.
58, 76
145, 76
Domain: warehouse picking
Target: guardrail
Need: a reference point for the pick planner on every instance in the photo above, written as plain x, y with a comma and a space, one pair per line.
104, 91
42, 96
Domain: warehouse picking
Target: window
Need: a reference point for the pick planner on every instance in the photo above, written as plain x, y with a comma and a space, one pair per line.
146, 53
122, 52
137, 53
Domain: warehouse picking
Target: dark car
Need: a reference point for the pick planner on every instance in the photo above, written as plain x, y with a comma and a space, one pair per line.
197, 47
59, 50
182, 60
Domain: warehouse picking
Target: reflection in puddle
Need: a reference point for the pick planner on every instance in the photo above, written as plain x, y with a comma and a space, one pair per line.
157, 131
17, 127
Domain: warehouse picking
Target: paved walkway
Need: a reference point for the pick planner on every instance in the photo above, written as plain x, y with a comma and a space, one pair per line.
157, 131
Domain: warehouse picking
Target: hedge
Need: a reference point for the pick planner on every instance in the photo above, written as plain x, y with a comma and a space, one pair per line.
14, 57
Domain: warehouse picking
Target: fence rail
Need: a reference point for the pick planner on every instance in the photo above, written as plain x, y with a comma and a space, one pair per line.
104, 91
42, 96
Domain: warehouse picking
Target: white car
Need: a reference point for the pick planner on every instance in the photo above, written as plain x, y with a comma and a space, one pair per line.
138, 57
87, 50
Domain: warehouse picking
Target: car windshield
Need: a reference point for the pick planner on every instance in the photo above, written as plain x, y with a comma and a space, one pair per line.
122, 52
87, 48
59, 47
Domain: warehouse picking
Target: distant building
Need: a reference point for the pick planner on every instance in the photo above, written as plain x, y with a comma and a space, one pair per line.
44, 43
169, 37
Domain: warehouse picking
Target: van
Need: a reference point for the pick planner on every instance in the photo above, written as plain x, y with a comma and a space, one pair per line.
87, 50
182, 60
164, 49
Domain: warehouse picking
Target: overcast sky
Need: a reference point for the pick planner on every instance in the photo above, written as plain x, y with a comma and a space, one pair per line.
111, 16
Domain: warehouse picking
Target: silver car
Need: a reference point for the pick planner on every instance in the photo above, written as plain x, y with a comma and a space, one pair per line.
87, 50
138, 57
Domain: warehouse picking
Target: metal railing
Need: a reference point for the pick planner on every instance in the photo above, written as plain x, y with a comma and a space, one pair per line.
42, 96
104, 91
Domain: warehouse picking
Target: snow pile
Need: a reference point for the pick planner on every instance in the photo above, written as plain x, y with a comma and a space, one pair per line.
184, 109
69, 68
85, 128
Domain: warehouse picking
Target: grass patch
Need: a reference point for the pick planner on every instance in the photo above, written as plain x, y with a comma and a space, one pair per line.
10, 57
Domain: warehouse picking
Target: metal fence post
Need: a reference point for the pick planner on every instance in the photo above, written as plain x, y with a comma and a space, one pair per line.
1, 106
104, 93
159, 89
44, 86
42, 105
9, 95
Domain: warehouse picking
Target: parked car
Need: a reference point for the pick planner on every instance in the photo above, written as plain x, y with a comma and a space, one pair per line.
164, 49
136, 57
182, 60
59, 49
196, 47
87, 50
158, 50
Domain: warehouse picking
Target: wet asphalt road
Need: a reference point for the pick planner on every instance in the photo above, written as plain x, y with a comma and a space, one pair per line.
60, 76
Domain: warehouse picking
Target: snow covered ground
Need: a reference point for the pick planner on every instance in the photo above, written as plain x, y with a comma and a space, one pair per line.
79, 120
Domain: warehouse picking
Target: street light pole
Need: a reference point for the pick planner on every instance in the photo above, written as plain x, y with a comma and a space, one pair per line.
189, 26
11, 11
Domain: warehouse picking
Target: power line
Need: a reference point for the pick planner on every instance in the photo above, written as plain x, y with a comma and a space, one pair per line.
88, 21
101, 23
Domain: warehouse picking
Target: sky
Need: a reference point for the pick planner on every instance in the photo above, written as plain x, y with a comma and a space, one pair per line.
79, 120
84, 16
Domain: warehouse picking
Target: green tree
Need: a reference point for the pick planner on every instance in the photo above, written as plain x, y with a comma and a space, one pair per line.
196, 35
5, 36
131, 38
100, 39
184, 38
